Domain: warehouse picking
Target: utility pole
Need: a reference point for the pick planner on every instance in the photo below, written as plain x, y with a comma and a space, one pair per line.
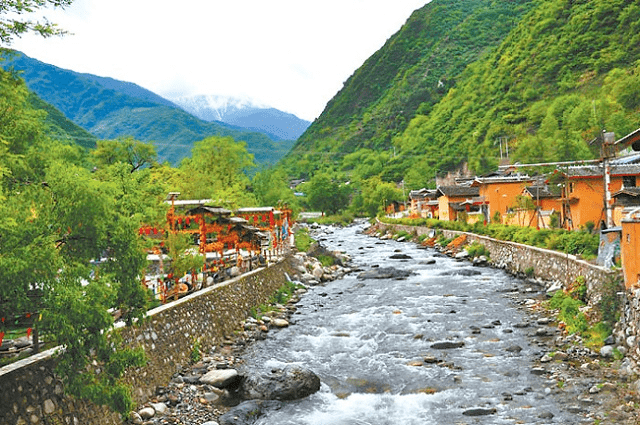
608, 152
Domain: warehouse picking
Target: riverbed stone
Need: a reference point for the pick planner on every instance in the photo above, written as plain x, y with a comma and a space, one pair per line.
480, 411
606, 351
291, 383
446, 345
220, 378
146, 412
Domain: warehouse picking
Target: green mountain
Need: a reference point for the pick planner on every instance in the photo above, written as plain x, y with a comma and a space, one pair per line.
60, 127
110, 109
464, 79
413, 70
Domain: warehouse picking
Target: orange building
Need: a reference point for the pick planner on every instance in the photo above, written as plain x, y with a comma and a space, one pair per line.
455, 199
630, 247
424, 203
499, 193
584, 189
545, 205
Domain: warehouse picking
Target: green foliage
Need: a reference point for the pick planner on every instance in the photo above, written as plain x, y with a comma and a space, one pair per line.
414, 70
12, 23
196, 351
476, 249
326, 195
342, 219
216, 170
326, 260
569, 312
609, 305
302, 239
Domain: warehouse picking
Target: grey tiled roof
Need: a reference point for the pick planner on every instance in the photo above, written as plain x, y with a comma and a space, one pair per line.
458, 191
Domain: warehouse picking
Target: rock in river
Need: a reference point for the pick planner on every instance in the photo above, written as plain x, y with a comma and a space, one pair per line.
384, 273
446, 345
291, 383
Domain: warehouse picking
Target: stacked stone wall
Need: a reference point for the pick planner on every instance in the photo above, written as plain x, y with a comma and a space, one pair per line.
30, 393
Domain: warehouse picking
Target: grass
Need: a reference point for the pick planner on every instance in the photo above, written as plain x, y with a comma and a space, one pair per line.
302, 239
281, 296
576, 322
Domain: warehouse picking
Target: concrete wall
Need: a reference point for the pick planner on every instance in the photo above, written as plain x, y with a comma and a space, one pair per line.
30, 393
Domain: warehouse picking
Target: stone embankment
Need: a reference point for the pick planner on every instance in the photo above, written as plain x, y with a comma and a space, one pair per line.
211, 321
600, 385
212, 390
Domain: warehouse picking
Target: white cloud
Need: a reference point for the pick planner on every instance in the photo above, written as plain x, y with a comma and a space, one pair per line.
291, 54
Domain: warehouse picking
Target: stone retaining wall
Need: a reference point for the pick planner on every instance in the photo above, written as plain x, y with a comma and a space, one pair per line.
558, 270
30, 393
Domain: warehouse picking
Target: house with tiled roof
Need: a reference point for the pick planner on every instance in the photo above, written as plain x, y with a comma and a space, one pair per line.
585, 190
499, 193
453, 200
424, 203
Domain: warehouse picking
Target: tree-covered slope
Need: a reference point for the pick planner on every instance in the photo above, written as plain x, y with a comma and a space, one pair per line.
567, 72
59, 127
97, 105
410, 73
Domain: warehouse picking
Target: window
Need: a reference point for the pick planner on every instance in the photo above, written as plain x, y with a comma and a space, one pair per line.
629, 181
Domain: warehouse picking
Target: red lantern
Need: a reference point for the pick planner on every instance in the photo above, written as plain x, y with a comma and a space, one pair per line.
1, 337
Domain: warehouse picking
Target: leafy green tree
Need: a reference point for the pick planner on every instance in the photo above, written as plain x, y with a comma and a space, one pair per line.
134, 153
326, 195
374, 195
217, 170
13, 25
271, 188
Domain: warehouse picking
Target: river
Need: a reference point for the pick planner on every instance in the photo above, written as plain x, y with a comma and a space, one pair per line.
371, 342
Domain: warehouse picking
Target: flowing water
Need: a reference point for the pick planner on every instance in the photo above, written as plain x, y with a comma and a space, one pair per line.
367, 340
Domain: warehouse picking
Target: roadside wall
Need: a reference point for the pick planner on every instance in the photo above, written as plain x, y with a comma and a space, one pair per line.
30, 393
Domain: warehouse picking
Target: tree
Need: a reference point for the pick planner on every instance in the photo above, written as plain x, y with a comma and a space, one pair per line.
134, 153
13, 25
326, 195
271, 189
217, 170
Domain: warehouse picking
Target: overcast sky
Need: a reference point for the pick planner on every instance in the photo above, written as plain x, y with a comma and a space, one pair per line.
293, 55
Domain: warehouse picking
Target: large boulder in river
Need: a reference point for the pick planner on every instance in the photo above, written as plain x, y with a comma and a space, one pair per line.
384, 273
291, 383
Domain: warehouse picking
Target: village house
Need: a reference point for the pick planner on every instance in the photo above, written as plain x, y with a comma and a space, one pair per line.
585, 189
546, 205
457, 201
498, 195
424, 203
630, 247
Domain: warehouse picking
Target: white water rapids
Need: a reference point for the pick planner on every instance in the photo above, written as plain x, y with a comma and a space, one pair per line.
367, 340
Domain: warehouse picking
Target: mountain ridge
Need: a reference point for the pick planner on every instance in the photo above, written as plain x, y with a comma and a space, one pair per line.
95, 104
246, 113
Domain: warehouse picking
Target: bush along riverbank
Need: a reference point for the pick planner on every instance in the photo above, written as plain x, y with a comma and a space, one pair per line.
212, 389
585, 351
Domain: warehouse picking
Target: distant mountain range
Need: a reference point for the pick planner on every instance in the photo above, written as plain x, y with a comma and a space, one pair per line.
244, 113
109, 109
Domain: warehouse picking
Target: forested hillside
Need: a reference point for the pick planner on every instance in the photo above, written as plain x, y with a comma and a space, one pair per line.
408, 75
566, 73
462, 77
